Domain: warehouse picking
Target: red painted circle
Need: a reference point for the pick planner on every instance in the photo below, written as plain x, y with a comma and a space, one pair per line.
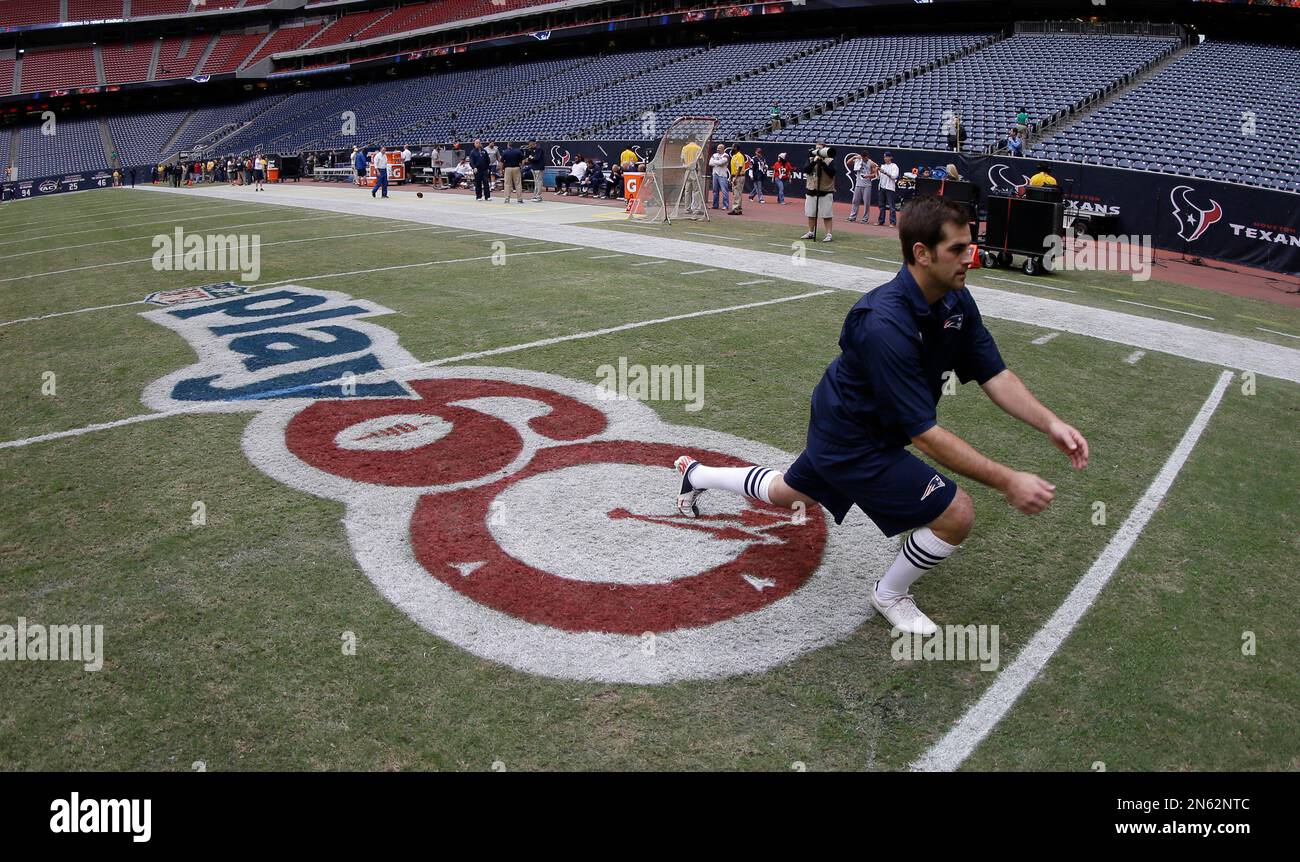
452, 528
477, 445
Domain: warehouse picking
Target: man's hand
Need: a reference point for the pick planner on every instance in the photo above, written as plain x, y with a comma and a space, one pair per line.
1028, 493
1070, 441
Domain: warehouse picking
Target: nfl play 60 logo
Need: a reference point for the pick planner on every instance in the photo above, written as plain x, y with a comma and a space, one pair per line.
514, 513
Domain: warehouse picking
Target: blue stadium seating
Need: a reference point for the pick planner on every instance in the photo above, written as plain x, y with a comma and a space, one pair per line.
76, 146
1045, 74
1207, 115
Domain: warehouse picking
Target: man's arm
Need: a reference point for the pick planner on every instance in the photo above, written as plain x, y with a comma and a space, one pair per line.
1009, 392
1024, 491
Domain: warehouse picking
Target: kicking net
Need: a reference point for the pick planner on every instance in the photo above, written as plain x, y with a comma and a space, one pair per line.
674, 185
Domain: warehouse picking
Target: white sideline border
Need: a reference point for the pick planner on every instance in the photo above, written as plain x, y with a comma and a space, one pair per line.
964, 737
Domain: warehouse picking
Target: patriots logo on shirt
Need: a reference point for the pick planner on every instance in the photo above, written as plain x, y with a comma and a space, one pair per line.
935, 484
953, 322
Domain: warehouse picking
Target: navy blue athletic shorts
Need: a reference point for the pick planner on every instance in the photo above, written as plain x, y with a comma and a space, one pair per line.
899, 494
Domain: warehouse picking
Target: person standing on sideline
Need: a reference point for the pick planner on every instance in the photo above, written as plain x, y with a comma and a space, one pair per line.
695, 196
512, 159
381, 173
782, 172
881, 395
757, 170
738, 162
406, 163
819, 198
888, 175
482, 164
534, 162
494, 163
862, 171
359, 165
259, 172
718, 170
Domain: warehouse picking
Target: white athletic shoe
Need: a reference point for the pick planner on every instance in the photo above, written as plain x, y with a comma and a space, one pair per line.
827, 238
687, 494
903, 614
808, 235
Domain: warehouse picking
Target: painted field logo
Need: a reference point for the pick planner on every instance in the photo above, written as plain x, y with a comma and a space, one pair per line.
515, 513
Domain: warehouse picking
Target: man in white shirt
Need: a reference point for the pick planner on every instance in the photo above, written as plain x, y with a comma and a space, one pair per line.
406, 164
888, 176
578, 172
381, 172
720, 165
464, 174
862, 172
259, 172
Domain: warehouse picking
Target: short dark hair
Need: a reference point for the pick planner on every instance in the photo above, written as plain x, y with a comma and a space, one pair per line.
923, 221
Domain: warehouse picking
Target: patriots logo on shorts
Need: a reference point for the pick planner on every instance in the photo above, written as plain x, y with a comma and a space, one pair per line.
953, 322
935, 484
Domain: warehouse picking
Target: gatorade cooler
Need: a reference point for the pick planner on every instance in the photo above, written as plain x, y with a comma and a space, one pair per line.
633, 183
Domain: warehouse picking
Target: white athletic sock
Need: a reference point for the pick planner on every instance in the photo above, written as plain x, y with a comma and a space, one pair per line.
750, 481
922, 551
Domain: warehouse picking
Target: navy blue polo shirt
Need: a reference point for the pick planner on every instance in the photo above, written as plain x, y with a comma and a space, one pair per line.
512, 157
884, 387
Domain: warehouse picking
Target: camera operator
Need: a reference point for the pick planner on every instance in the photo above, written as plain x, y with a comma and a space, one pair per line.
820, 195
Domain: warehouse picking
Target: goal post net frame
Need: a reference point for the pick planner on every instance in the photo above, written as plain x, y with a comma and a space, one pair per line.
673, 186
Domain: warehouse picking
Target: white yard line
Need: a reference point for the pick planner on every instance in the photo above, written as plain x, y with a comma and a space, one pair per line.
790, 246
1043, 339
74, 311
1028, 283
1275, 332
390, 373
648, 263
228, 227
82, 212
755, 281
1163, 308
952, 750
102, 426
182, 253
717, 236
409, 266
1132, 358
223, 214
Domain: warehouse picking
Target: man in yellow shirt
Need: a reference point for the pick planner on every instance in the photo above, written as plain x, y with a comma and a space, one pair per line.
691, 178
738, 162
1043, 177
628, 159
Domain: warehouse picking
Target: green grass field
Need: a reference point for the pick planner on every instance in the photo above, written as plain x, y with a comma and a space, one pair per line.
222, 640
